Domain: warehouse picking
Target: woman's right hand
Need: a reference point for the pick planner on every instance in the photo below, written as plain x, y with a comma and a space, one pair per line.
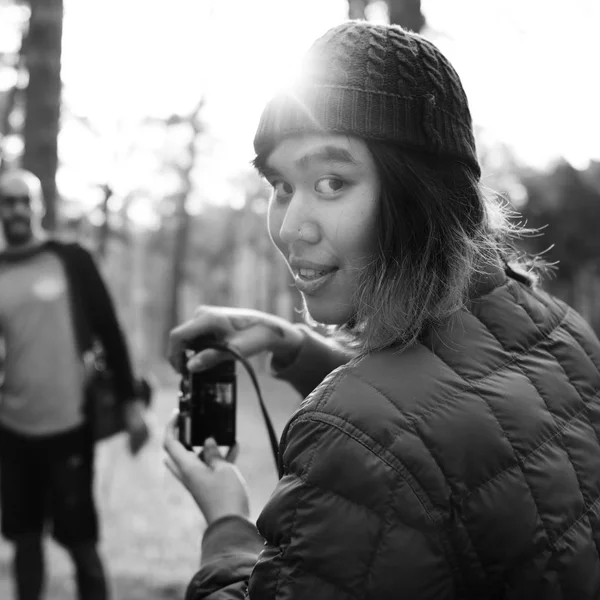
249, 331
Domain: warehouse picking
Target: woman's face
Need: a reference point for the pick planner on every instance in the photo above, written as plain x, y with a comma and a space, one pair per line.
322, 217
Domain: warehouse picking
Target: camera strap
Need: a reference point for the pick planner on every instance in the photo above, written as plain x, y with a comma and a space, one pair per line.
250, 369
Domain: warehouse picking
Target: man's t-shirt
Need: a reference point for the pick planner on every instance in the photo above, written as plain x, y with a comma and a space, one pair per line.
43, 371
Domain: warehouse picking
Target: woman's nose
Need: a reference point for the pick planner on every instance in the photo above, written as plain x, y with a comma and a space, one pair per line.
299, 223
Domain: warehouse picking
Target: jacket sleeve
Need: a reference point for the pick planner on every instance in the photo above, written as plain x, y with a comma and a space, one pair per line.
342, 523
230, 547
318, 356
105, 326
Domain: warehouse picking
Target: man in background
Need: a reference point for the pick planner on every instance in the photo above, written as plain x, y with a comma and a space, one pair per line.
54, 306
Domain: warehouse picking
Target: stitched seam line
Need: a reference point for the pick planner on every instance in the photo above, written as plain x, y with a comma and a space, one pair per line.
585, 404
328, 492
563, 445
323, 395
414, 419
578, 342
441, 532
330, 388
292, 529
441, 536
505, 434
558, 434
583, 400
526, 457
465, 580
411, 481
511, 291
300, 566
512, 467
583, 515
383, 529
514, 356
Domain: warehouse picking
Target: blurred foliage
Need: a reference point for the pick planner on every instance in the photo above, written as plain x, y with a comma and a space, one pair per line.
30, 90
41, 52
562, 204
566, 203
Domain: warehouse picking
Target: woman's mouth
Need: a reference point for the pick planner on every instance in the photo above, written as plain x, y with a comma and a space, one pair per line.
309, 281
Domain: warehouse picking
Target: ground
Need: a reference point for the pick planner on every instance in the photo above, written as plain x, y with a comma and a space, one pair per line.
151, 529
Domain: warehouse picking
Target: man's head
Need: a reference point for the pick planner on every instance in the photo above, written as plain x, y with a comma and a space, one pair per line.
21, 206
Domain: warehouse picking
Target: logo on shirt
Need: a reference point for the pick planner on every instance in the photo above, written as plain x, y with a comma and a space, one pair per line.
10, 402
48, 288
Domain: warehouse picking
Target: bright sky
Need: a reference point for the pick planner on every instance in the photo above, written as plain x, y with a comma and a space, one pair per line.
530, 67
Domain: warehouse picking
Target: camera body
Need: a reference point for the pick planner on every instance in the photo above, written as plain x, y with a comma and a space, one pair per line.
207, 401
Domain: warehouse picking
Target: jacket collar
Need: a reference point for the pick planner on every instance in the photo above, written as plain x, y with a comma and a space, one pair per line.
488, 277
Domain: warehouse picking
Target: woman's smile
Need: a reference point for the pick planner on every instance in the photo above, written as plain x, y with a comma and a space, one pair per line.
322, 217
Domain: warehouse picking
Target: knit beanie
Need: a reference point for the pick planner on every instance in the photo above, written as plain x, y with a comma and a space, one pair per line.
376, 82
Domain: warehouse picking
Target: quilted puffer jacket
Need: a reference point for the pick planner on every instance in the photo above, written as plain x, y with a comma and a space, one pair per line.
467, 467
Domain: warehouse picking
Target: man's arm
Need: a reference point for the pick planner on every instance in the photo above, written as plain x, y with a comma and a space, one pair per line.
317, 357
105, 326
2, 357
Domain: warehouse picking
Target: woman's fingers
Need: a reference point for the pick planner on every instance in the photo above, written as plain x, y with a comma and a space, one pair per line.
210, 453
250, 332
176, 451
247, 342
205, 322
206, 359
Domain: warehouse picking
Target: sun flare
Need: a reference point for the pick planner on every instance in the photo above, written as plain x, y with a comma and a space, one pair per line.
124, 61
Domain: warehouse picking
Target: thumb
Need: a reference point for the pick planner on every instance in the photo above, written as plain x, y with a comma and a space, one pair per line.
210, 453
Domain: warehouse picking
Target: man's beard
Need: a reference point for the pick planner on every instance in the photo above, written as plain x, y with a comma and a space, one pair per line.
17, 231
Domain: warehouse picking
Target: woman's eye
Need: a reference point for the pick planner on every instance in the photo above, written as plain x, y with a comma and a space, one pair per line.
282, 189
329, 185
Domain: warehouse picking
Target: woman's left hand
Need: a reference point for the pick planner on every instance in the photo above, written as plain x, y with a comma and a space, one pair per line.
214, 482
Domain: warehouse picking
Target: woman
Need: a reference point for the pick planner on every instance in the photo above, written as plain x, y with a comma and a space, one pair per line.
454, 453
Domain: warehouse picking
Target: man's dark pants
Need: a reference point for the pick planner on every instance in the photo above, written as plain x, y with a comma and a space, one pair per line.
46, 483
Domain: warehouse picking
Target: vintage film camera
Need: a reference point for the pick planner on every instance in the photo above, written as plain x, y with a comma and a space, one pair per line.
207, 400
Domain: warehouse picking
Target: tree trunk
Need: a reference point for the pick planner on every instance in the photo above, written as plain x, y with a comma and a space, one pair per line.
9, 98
182, 227
43, 98
104, 231
356, 9
407, 14
7, 103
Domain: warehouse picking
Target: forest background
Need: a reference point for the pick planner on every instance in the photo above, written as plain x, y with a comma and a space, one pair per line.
138, 117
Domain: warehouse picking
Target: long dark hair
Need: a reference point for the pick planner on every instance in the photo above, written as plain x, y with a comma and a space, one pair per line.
436, 231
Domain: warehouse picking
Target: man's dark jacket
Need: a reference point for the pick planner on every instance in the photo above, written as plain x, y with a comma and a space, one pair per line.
94, 316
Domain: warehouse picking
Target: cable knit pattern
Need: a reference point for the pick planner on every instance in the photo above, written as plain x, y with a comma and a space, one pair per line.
376, 82
405, 56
